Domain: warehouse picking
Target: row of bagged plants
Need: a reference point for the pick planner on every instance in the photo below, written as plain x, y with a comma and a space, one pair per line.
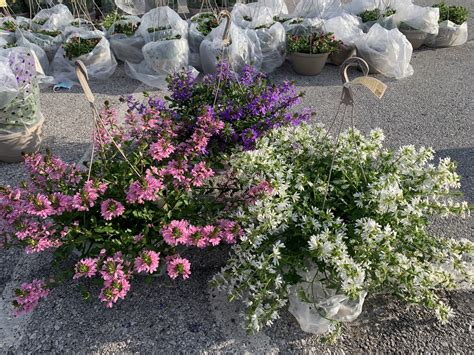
315, 223
260, 34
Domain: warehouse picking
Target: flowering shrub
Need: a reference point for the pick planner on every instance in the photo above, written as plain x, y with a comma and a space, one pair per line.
353, 213
248, 106
147, 196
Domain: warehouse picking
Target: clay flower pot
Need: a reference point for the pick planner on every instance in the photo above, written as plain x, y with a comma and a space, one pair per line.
339, 57
415, 37
308, 64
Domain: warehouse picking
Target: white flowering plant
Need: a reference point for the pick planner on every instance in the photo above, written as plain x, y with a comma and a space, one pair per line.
349, 212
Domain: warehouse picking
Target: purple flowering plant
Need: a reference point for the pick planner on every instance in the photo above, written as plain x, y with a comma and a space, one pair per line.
150, 194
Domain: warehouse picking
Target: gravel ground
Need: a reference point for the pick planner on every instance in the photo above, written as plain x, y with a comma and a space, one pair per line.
434, 108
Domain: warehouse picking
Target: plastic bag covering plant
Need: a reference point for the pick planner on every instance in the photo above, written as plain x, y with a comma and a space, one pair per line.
313, 43
456, 14
248, 105
362, 224
140, 213
205, 22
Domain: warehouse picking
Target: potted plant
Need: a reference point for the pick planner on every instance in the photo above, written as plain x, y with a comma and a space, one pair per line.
370, 17
309, 52
452, 26
345, 51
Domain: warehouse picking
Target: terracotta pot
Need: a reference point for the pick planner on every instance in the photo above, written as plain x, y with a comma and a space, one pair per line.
308, 64
415, 37
337, 58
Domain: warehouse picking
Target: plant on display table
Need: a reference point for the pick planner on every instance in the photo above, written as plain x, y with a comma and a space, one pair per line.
309, 52
149, 195
339, 219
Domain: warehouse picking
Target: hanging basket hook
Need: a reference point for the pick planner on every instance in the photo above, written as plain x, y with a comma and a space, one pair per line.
353, 62
224, 14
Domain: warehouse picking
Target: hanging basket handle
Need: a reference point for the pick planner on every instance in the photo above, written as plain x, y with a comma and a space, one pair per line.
81, 73
226, 37
353, 62
374, 85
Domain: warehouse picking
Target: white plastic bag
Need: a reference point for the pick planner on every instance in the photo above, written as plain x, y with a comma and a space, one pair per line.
50, 44
7, 34
324, 9
271, 35
356, 7
54, 18
125, 47
449, 35
243, 49
299, 25
9, 87
195, 36
420, 18
40, 53
346, 28
100, 62
161, 23
386, 51
135, 7
326, 306
277, 7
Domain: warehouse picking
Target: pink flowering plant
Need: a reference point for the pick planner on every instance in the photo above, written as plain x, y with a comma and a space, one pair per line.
155, 190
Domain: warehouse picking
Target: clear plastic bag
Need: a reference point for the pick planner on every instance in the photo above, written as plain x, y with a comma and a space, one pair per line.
420, 18
299, 25
100, 62
386, 51
271, 35
50, 44
54, 18
356, 7
277, 7
449, 35
125, 47
9, 87
40, 53
7, 29
195, 37
243, 49
135, 7
162, 23
324, 9
326, 306
346, 28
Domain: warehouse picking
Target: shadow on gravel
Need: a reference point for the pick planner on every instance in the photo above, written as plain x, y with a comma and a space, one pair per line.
464, 157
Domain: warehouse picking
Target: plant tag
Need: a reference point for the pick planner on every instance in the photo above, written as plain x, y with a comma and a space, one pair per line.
374, 85
3, 3
38, 66
81, 73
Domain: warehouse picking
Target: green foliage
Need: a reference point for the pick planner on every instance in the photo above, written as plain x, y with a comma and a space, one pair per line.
111, 18
313, 43
49, 33
8, 26
206, 22
374, 15
456, 14
77, 46
128, 28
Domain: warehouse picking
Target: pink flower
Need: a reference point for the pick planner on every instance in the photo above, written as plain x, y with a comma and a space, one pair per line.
111, 208
230, 230
40, 206
209, 121
112, 268
255, 192
197, 237
177, 266
160, 150
200, 173
147, 261
113, 290
145, 190
28, 296
176, 232
212, 235
61, 203
86, 268
85, 199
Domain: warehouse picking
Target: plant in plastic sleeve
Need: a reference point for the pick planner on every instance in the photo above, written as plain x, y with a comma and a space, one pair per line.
338, 220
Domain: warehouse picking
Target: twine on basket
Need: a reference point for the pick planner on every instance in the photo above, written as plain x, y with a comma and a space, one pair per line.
98, 123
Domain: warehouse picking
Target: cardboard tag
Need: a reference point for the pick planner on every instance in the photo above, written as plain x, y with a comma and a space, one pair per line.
3, 3
81, 73
38, 66
374, 85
